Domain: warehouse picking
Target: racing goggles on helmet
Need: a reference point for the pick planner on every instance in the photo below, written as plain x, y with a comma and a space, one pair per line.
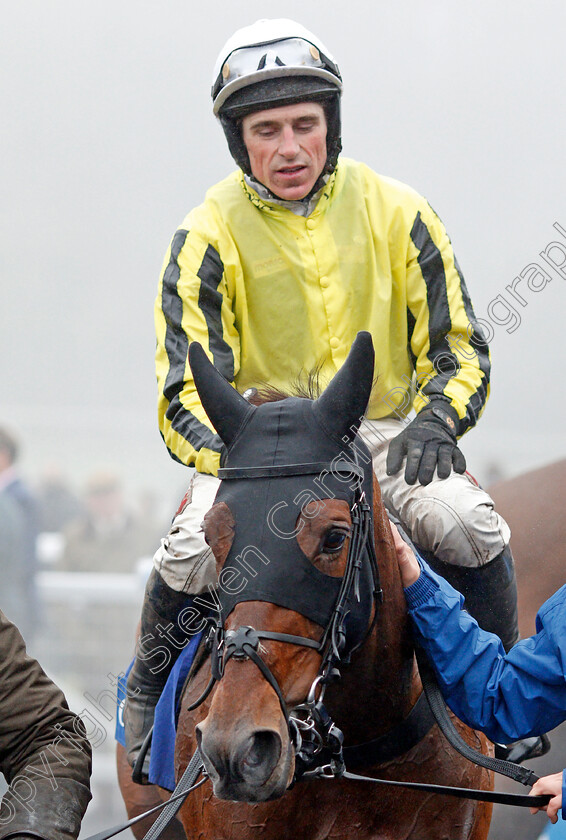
275, 59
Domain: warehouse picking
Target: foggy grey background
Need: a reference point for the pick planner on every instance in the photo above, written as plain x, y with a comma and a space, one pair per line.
108, 140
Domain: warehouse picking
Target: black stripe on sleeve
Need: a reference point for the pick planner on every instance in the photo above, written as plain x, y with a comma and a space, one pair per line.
177, 347
478, 399
210, 303
442, 357
176, 342
411, 323
190, 427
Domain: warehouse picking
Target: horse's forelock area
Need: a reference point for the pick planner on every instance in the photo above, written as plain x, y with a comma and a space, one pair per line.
306, 385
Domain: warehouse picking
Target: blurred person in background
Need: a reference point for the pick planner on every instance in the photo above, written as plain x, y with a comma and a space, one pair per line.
12, 541
109, 535
20, 505
57, 500
44, 752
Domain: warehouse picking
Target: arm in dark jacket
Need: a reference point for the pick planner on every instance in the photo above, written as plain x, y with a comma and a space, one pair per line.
44, 752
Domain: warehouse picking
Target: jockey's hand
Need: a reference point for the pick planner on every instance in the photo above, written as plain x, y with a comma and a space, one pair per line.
553, 786
429, 442
408, 563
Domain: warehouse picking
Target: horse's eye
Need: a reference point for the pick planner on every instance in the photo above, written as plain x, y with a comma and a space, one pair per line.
333, 541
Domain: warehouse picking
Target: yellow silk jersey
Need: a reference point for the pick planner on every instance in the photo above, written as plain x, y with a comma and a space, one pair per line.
271, 294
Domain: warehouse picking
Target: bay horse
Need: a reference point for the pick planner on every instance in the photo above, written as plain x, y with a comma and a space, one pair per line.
282, 530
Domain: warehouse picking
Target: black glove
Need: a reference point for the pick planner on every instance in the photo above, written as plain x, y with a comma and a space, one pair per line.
429, 442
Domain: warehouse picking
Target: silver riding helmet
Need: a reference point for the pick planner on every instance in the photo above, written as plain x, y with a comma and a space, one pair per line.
269, 64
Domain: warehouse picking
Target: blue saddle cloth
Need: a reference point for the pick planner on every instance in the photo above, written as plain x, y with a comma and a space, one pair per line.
161, 760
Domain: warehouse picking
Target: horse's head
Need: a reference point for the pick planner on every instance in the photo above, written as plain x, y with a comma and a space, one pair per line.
290, 531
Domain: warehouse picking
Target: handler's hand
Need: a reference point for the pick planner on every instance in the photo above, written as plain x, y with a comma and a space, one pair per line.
553, 786
408, 563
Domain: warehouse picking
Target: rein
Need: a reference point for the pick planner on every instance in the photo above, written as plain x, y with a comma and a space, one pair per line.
244, 642
319, 750
318, 742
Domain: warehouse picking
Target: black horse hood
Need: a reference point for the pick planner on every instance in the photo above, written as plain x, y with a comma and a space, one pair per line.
282, 455
339, 409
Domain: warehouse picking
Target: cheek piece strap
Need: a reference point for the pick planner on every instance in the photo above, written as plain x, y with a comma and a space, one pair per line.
342, 606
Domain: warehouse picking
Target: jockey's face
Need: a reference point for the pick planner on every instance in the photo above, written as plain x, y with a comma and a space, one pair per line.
287, 147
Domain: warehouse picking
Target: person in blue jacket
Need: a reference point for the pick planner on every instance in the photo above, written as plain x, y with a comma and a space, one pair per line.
507, 695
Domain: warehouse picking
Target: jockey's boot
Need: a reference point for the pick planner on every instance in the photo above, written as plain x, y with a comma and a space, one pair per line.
491, 597
160, 642
490, 592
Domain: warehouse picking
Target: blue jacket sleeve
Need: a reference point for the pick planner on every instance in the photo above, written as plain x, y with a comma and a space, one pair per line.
508, 696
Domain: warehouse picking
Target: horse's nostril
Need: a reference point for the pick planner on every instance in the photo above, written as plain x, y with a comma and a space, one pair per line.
259, 756
260, 745
251, 761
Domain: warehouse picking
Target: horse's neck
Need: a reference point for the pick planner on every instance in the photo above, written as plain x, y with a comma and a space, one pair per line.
380, 686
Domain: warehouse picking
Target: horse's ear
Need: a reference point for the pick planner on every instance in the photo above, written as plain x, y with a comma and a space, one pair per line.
225, 407
342, 405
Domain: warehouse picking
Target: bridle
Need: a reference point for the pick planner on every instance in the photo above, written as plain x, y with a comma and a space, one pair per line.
311, 729
317, 741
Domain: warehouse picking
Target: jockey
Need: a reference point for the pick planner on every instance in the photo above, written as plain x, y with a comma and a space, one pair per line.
518, 694
274, 274
45, 754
